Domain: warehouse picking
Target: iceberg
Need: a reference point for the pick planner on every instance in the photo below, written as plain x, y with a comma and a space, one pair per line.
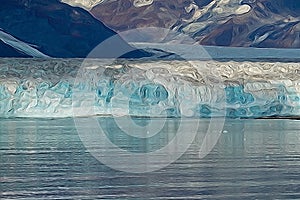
157, 88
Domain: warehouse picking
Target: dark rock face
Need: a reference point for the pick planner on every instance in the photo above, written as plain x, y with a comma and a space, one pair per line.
123, 15
57, 29
8, 51
256, 23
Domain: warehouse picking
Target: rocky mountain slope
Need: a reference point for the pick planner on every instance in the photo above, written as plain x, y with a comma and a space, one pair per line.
53, 28
247, 23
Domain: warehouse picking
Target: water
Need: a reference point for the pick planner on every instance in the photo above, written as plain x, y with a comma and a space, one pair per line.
253, 159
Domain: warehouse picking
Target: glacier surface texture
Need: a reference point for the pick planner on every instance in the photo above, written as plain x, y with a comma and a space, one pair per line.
76, 87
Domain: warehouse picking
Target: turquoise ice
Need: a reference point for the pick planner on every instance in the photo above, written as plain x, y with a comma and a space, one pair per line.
66, 88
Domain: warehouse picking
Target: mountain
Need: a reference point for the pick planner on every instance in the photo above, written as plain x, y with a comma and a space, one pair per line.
55, 29
246, 23
86, 4
8, 51
52, 28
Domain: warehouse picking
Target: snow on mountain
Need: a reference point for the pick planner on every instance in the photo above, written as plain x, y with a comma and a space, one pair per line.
21, 46
246, 23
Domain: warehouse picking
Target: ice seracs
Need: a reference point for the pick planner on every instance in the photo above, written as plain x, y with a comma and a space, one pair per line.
148, 88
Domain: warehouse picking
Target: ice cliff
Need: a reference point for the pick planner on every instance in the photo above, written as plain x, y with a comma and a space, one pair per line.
68, 87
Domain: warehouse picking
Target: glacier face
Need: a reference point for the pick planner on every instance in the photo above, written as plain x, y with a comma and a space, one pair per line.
76, 87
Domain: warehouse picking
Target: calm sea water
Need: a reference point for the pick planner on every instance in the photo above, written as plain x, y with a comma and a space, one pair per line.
252, 159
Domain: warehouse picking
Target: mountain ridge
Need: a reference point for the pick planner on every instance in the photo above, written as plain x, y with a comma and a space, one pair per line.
56, 29
246, 23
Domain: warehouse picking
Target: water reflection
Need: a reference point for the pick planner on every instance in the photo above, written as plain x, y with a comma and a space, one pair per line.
253, 159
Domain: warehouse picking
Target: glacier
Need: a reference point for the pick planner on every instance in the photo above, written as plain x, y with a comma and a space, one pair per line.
165, 88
